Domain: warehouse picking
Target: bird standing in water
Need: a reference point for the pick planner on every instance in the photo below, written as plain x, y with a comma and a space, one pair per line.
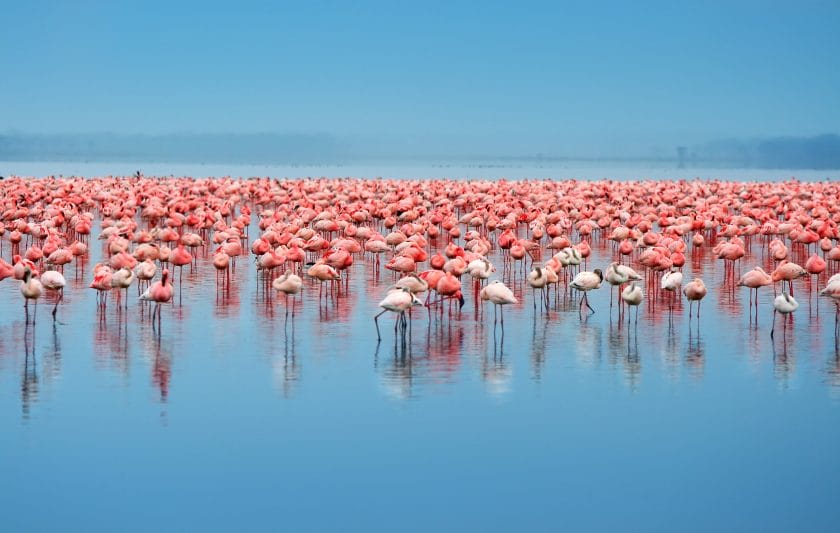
499, 294
31, 289
832, 290
671, 282
159, 292
618, 274
784, 304
633, 296
53, 280
288, 283
397, 301
585, 282
694, 291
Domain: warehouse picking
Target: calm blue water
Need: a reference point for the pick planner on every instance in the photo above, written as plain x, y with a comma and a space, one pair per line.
418, 169
234, 419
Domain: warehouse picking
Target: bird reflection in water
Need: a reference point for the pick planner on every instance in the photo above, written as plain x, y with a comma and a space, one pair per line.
161, 370
496, 372
29, 380
589, 340
337, 305
832, 369
444, 346
695, 358
671, 352
784, 361
632, 363
111, 345
437, 359
623, 347
52, 360
398, 376
286, 371
227, 301
538, 344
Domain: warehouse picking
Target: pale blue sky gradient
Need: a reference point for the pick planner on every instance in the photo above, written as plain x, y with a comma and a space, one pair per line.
586, 77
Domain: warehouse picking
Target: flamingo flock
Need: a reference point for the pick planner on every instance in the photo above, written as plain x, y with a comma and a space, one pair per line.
438, 238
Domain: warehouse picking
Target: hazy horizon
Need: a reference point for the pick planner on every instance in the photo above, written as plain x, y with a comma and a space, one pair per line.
450, 78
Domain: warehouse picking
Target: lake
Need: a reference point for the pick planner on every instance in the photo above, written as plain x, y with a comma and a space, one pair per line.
235, 417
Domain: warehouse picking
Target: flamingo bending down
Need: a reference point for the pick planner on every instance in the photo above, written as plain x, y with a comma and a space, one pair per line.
397, 301
585, 282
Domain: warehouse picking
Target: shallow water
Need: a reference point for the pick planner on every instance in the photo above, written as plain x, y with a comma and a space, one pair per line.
233, 418
569, 169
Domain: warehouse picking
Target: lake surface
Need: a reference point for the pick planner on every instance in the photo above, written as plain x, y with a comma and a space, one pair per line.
235, 418
587, 170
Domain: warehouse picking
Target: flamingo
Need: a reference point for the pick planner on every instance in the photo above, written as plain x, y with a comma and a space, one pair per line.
671, 282
832, 290
397, 301
538, 280
784, 304
755, 279
499, 295
101, 282
159, 292
617, 275
288, 283
52, 280
413, 283
633, 296
30, 289
122, 279
586, 281
694, 291
145, 271
323, 273
787, 271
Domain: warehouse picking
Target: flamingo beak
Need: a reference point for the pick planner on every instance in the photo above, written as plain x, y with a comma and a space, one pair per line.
460, 299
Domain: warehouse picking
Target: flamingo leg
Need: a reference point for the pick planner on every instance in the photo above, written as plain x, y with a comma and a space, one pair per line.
376, 321
60, 297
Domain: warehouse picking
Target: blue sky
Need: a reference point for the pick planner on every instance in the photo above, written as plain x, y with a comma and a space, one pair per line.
473, 77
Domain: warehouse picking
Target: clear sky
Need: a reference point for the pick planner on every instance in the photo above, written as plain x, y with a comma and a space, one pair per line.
474, 77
